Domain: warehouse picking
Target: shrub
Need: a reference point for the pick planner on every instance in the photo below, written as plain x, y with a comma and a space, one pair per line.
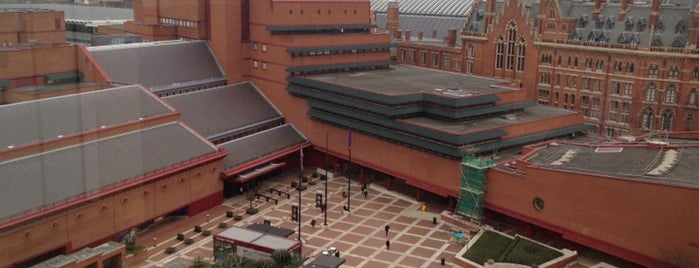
229, 214
238, 217
314, 174
304, 179
189, 241
281, 256
199, 262
222, 225
170, 250
323, 177
180, 236
197, 228
266, 263
206, 233
294, 184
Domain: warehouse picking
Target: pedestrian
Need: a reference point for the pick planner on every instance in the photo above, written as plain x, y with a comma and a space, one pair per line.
363, 187
388, 244
313, 223
387, 228
366, 194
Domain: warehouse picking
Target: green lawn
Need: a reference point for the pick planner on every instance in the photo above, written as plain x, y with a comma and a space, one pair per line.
500, 248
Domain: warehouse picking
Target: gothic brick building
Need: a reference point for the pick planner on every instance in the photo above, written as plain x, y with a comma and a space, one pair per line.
629, 66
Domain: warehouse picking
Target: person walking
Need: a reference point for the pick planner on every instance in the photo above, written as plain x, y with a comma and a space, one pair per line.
387, 228
388, 245
366, 193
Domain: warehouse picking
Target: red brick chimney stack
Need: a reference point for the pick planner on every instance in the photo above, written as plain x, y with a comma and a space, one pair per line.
597, 9
407, 34
392, 20
654, 12
623, 9
451, 38
419, 36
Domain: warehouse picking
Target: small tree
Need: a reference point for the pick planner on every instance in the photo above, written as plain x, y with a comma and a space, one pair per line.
199, 262
281, 256
266, 263
130, 241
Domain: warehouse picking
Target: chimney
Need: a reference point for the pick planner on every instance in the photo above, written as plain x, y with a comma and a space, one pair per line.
597, 9
398, 34
419, 36
489, 15
407, 34
434, 34
654, 13
392, 22
623, 9
451, 38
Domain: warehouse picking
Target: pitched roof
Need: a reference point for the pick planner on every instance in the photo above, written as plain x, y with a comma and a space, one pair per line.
35, 121
60, 175
160, 66
261, 144
225, 111
427, 7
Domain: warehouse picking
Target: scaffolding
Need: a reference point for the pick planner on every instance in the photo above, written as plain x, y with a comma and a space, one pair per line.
470, 202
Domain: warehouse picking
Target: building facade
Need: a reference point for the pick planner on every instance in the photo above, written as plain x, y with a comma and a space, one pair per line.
629, 67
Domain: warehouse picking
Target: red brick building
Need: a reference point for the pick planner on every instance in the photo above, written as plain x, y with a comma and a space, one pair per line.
629, 67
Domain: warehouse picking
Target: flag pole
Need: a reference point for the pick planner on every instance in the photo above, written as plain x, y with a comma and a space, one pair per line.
325, 203
349, 148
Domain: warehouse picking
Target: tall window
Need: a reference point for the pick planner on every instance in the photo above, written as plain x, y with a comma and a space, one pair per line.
653, 70
650, 92
402, 55
692, 97
673, 72
499, 50
668, 117
423, 58
470, 51
413, 56
689, 123
647, 119
670, 95
520, 55
511, 45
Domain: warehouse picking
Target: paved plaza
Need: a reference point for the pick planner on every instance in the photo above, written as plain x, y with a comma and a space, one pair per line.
359, 235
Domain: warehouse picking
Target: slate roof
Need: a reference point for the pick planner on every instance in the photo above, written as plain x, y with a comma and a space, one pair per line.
224, 111
42, 179
258, 145
426, 24
160, 66
34, 121
629, 161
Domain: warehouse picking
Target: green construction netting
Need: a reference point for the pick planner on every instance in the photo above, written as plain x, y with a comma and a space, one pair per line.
472, 185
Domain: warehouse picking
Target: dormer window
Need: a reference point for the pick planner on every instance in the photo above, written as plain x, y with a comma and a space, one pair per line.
680, 27
610, 23
659, 27
628, 25
641, 25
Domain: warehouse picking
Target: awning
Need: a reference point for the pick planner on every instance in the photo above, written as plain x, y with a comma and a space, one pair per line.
257, 172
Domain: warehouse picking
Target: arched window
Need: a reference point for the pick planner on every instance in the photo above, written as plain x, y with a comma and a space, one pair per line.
650, 92
520, 55
499, 50
666, 123
689, 123
647, 119
511, 45
670, 95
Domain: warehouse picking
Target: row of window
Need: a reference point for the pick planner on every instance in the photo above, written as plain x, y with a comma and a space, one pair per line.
339, 52
179, 22
667, 120
673, 72
191, 89
670, 96
446, 60
255, 46
256, 64
319, 12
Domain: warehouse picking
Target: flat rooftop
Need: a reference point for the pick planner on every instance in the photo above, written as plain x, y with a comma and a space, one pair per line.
403, 80
527, 115
630, 161
39, 89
